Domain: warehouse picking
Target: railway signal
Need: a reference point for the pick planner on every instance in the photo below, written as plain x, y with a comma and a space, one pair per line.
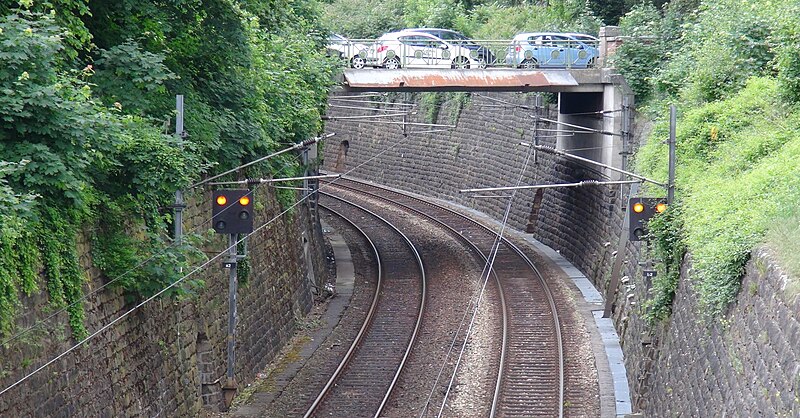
232, 211
640, 210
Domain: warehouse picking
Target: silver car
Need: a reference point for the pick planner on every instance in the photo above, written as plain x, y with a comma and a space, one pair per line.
408, 49
354, 53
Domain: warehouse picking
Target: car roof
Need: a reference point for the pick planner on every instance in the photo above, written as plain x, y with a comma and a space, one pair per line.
525, 35
397, 34
430, 29
582, 35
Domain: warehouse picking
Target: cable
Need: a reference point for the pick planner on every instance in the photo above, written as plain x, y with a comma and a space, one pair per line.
298, 145
143, 262
490, 263
173, 284
489, 266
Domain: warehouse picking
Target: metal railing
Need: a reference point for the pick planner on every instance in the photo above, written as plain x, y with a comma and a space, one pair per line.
524, 54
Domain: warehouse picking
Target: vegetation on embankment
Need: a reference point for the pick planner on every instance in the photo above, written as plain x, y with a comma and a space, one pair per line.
87, 99
731, 67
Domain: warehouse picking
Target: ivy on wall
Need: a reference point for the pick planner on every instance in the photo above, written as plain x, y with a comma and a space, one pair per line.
86, 99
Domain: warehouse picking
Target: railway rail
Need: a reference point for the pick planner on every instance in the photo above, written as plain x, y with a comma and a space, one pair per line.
367, 374
530, 376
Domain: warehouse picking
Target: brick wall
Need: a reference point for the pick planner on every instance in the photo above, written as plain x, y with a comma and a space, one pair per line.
167, 358
749, 365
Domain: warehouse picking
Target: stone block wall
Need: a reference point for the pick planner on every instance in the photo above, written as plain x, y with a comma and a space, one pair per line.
167, 358
747, 368
745, 364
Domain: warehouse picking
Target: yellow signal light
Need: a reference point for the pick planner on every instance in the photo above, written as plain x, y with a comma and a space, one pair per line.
661, 207
244, 200
222, 200
638, 207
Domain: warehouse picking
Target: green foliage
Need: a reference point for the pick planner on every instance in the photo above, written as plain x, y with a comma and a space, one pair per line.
431, 13
739, 163
459, 101
119, 245
430, 104
639, 57
497, 22
131, 78
364, 19
786, 43
701, 51
668, 250
95, 142
17, 259
65, 278
782, 238
66, 14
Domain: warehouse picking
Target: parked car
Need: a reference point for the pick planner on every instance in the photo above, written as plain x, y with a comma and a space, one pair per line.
550, 50
480, 53
587, 39
354, 53
409, 49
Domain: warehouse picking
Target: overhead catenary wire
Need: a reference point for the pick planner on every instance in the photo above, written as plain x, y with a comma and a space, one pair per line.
391, 115
549, 186
195, 270
375, 109
278, 180
388, 122
584, 128
296, 146
144, 262
587, 160
488, 268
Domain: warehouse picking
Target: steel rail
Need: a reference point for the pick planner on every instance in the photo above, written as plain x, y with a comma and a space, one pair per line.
355, 345
523, 256
469, 243
367, 321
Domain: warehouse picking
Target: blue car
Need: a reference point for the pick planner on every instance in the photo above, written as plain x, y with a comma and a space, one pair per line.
551, 50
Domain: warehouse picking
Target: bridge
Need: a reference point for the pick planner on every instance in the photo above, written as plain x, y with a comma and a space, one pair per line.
594, 104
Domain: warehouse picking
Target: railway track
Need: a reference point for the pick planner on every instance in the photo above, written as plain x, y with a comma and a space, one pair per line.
530, 376
366, 376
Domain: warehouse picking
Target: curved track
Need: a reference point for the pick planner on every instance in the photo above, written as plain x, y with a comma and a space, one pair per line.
530, 379
366, 376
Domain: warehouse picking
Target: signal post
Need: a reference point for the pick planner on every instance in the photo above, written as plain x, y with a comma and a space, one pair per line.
232, 214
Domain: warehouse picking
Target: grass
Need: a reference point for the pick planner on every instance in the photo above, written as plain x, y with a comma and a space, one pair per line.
738, 168
782, 238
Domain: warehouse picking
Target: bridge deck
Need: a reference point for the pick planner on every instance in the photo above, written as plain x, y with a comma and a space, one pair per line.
493, 79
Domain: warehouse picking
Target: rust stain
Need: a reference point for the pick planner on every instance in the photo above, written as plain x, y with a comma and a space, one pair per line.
489, 79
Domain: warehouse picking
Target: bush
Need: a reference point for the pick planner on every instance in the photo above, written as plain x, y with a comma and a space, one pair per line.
738, 165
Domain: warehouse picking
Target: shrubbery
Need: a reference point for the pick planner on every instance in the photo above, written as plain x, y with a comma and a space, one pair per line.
87, 98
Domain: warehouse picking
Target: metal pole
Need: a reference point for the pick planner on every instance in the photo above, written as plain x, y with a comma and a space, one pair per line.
616, 269
179, 203
229, 388
672, 143
537, 103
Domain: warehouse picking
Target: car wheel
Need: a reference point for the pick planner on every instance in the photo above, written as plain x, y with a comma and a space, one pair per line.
358, 62
481, 62
392, 63
461, 63
592, 63
529, 64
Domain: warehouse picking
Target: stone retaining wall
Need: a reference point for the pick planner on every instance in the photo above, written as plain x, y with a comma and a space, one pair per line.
685, 362
168, 357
